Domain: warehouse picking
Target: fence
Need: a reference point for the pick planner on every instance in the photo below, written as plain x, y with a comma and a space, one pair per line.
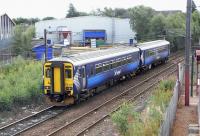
7, 57
170, 113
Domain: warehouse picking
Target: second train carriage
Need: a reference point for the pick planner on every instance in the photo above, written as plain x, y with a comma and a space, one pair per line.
66, 78
154, 52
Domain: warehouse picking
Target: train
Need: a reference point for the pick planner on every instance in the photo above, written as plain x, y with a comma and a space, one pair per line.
69, 79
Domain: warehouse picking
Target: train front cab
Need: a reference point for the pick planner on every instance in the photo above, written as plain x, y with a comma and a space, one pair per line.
58, 82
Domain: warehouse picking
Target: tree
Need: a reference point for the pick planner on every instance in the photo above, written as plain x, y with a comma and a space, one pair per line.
48, 18
122, 13
140, 19
196, 26
176, 29
28, 21
109, 12
72, 12
22, 39
158, 25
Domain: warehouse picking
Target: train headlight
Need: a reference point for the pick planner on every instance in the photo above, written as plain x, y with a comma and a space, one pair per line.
47, 87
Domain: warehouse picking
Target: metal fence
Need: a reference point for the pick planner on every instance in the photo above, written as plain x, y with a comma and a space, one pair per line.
170, 112
7, 57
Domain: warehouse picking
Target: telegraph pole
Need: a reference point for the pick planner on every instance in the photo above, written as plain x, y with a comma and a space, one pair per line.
45, 44
187, 51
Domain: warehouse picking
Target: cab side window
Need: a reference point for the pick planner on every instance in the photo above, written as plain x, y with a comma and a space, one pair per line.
48, 73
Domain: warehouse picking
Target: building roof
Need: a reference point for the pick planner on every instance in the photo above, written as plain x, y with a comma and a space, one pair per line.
84, 17
92, 56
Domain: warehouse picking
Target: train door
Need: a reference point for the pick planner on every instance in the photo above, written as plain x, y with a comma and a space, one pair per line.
83, 75
57, 77
47, 78
68, 78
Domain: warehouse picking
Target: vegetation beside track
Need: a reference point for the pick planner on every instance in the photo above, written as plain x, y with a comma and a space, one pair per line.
20, 84
133, 123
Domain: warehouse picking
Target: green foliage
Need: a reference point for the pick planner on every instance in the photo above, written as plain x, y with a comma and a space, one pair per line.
158, 25
166, 85
132, 123
196, 26
22, 39
121, 117
48, 18
28, 21
20, 83
72, 12
140, 18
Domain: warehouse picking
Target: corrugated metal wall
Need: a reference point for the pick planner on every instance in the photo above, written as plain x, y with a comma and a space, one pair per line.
6, 27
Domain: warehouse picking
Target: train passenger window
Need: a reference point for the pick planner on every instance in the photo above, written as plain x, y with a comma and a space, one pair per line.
128, 60
98, 69
123, 61
114, 64
68, 73
161, 49
151, 53
106, 67
47, 74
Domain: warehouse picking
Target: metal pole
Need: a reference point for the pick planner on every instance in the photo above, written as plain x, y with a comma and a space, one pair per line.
45, 44
187, 51
192, 72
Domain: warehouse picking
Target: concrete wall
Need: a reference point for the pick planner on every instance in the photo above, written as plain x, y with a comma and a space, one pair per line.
119, 29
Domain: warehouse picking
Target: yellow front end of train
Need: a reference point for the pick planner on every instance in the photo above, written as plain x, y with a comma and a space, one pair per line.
58, 82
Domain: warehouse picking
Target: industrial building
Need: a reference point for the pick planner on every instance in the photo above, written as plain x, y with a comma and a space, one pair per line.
6, 27
80, 30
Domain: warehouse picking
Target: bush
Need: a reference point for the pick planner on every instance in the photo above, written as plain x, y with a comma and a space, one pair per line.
120, 117
20, 83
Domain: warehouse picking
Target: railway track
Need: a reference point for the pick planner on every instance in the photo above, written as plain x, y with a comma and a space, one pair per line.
84, 122
31, 121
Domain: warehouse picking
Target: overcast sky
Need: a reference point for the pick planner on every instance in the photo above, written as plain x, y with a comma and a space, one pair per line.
58, 8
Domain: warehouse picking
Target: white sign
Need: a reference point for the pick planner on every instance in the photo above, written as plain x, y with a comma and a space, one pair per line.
93, 43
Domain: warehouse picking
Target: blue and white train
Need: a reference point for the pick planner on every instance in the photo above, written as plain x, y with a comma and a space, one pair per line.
69, 79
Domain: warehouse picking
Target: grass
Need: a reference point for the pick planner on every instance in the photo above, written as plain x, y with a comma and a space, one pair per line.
132, 123
20, 84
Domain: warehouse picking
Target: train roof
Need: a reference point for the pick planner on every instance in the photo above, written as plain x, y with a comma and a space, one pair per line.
153, 44
92, 56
